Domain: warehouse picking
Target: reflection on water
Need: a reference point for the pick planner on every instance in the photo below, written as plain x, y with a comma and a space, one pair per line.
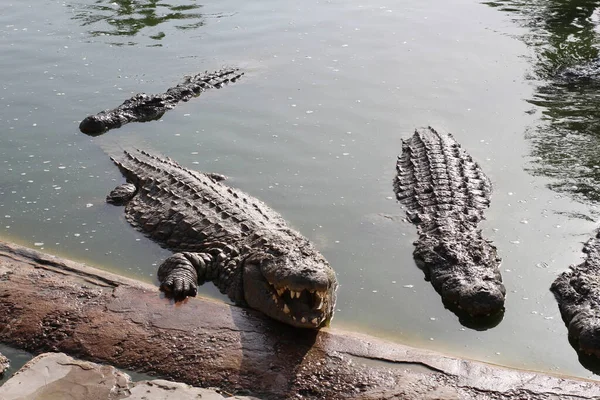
128, 18
566, 144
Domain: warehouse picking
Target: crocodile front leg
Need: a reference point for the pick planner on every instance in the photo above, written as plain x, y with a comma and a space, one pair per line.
180, 274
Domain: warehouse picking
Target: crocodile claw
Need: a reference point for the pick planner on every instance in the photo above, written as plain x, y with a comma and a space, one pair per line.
179, 288
178, 278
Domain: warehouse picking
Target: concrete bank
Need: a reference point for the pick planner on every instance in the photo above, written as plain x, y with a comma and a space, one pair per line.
52, 304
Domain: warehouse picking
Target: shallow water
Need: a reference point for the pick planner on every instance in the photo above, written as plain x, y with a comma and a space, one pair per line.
312, 129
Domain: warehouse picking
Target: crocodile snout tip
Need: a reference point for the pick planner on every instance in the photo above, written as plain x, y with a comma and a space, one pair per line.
482, 302
92, 126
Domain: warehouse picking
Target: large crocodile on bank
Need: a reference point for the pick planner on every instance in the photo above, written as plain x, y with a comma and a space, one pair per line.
445, 193
223, 235
143, 107
577, 292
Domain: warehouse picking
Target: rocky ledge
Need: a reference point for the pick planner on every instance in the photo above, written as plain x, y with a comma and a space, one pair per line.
52, 304
58, 376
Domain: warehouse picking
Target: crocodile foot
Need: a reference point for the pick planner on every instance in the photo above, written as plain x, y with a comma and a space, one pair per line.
121, 194
178, 277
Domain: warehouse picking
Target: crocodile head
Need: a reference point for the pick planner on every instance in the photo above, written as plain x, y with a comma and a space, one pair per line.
464, 269
292, 284
93, 125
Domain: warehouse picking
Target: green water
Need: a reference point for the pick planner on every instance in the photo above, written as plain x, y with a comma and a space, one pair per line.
566, 139
313, 129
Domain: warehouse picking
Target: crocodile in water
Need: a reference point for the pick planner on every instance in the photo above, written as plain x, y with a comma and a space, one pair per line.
143, 107
223, 235
578, 294
445, 193
582, 73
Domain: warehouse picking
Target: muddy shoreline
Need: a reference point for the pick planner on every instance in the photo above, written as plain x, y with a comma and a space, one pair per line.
52, 304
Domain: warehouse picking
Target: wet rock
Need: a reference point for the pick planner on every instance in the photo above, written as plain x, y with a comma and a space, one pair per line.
4, 363
58, 376
49, 303
164, 390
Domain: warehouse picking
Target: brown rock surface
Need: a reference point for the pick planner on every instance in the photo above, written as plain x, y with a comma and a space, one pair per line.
52, 304
4, 364
58, 376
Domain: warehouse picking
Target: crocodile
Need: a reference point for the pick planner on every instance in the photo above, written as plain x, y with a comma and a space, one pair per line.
582, 73
445, 193
143, 107
577, 292
221, 234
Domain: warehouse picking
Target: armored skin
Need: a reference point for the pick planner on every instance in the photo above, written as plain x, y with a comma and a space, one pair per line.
577, 292
445, 193
223, 235
143, 107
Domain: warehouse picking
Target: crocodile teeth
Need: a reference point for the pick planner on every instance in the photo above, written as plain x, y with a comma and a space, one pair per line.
303, 320
318, 300
320, 305
314, 321
286, 309
275, 299
280, 292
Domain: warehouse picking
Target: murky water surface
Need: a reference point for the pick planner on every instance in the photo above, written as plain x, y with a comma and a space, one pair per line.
313, 129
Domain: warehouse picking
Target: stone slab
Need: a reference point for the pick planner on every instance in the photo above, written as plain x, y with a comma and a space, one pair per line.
56, 376
52, 304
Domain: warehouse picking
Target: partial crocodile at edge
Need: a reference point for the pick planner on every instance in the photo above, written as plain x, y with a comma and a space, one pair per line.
582, 73
143, 107
223, 235
445, 193
577, 292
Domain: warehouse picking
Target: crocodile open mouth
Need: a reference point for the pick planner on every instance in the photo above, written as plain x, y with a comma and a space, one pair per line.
307, 306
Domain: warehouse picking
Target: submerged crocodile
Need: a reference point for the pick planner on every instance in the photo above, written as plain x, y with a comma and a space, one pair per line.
143, 107
223, 235
582, 73
445, 193
577, 292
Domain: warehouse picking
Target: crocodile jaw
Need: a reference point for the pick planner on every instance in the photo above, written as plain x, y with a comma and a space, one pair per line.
300, 305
